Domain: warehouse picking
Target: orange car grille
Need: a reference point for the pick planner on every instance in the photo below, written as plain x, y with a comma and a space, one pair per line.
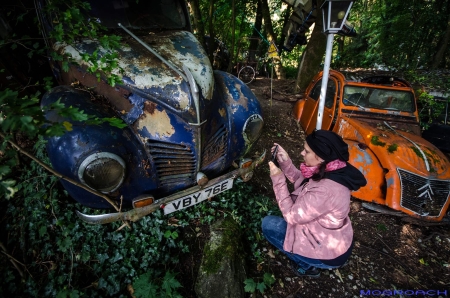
424, 196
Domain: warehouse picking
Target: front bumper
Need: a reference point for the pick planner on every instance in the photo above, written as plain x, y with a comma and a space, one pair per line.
136, 214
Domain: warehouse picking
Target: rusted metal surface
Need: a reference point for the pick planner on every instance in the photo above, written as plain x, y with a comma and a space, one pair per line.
117, 96
216, 148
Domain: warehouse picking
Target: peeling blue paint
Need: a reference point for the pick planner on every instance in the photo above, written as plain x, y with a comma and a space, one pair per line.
231, 86
136, 110
185, 45
361, 169
390, 182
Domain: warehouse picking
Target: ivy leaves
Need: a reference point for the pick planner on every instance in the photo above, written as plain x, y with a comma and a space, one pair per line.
72, 23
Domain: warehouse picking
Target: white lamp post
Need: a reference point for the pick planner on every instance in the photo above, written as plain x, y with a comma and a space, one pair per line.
335, 13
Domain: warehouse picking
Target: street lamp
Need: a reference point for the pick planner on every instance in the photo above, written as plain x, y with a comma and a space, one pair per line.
335, 13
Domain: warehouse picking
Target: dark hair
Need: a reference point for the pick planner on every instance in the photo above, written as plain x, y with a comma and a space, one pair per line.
320, 172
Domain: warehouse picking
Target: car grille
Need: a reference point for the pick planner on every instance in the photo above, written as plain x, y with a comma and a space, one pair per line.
175, 163
423, 196
214, 151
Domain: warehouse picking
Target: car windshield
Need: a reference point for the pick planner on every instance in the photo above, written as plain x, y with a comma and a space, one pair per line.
149, 14
385, 99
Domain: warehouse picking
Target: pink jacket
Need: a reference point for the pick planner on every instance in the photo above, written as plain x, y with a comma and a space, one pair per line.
316, 213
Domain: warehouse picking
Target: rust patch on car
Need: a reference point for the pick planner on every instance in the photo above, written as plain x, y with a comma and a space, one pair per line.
222, 112
149, 107
156, 123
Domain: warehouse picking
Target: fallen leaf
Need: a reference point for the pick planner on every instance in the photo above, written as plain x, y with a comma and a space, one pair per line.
338, 274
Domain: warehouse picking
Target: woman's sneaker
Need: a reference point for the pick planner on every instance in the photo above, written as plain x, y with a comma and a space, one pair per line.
299, 271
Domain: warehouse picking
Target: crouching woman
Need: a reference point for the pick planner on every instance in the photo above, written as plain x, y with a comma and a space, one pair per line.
315, 231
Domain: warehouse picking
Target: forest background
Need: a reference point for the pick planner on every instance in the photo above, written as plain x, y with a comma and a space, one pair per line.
46, 251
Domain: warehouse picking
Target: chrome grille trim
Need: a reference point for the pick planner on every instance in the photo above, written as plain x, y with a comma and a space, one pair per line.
175, 163
216, 148
422, 195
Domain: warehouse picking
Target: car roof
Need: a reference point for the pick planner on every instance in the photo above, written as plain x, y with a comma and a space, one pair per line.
376, 78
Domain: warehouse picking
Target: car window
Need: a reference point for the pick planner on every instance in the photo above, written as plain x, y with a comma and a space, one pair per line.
331, 91
378, 98
315, 91
150, 14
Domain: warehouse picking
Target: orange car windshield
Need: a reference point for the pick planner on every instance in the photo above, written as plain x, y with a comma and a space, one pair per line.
377, 98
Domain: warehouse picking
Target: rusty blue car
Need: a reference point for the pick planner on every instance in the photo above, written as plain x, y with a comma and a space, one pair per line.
187, 125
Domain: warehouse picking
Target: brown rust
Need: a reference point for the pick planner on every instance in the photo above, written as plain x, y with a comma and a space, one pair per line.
149, 107
117, 96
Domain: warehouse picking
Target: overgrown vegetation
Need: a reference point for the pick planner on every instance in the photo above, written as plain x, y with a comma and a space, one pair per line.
50, 252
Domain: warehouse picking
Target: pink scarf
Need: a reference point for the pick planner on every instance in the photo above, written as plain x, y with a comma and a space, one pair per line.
307, 172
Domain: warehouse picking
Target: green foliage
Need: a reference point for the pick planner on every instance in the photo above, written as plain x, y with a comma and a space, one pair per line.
381, 227
396, 34
147, 286
246, 208
24, 116
67, 257
251, 285
430, 109
72, 23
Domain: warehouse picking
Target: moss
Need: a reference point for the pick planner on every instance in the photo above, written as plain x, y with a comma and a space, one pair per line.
432, 156
417, 151
228, 247
392, 148
375, 141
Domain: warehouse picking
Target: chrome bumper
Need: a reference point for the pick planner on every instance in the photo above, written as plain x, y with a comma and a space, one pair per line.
136, 214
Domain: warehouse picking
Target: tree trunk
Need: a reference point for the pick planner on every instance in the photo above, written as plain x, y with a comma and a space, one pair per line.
442, 48
211, 31
312, 57
285, 22
233, 36
279, 71
198, 23
254, 42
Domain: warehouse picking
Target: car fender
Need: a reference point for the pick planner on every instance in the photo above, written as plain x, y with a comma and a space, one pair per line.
67, 152
241, 106
365, 160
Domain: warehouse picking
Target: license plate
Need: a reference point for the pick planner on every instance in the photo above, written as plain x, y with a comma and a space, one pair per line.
199, 196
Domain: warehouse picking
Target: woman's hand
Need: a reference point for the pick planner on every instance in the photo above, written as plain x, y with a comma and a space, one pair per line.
274, 170
282, 155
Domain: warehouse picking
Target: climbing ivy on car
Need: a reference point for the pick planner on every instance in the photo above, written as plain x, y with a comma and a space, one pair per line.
20, 111
72, 22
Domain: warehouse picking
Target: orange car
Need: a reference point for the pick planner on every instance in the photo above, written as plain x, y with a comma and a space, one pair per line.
379, 121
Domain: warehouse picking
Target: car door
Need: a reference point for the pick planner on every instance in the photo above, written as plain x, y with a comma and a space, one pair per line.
308, 120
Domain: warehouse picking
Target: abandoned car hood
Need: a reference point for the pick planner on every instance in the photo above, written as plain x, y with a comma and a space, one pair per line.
396, 148
142, 70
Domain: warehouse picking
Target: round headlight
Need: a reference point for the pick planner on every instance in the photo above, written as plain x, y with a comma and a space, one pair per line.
253, 128
102, 171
